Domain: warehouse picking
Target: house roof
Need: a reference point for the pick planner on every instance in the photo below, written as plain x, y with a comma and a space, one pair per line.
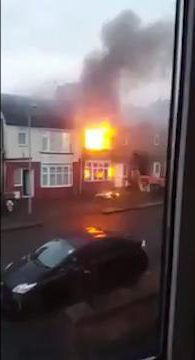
44, 113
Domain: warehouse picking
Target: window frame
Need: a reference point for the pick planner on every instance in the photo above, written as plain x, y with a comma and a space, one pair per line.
177, 295
155, 141
154, 172
44, 136
22, 132
19, 184
48, 167
98, 167
125, 141
48, 135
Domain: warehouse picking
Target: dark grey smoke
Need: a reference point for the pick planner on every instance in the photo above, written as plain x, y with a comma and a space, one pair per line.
143, 51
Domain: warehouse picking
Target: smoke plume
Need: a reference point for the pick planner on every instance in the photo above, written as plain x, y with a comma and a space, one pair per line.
142, 51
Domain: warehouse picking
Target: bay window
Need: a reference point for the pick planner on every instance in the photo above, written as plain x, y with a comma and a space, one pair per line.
97, 170
56, 175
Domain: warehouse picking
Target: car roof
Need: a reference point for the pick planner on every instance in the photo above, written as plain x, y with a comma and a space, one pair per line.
97, 247
87, 244
79, 238
63, 243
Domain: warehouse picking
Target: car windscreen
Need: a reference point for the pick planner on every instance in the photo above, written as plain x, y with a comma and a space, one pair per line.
53, 253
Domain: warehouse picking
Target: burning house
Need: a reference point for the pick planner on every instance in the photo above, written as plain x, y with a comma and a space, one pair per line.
86, 149
106, 146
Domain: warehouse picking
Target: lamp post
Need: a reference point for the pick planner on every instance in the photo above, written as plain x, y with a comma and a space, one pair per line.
29, 165
29, 117
81, 176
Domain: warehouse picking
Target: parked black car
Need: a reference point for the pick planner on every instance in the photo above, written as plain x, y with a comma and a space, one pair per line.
60, 273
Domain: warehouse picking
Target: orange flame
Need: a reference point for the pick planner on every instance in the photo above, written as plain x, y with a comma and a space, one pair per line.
99, 137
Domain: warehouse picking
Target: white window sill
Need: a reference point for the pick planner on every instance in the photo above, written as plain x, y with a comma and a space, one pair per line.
55, 186
56, 152
97, 181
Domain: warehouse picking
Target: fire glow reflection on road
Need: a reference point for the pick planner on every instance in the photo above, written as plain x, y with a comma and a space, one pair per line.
97, 233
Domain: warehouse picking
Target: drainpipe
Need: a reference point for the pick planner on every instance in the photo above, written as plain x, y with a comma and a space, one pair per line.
2, 154
81, 176
29, 165
29, 119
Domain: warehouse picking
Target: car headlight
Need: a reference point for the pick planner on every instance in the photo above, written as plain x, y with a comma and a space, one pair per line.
23, 288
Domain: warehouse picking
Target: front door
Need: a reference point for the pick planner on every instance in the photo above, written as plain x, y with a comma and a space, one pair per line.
118, 175
110, 274
28, 182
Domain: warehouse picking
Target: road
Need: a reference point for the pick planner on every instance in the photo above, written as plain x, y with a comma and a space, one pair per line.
52, 337
142, 224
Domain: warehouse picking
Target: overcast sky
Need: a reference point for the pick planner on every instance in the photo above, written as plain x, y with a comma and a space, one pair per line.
44, 42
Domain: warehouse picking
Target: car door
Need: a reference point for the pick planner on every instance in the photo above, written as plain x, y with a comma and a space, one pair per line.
59, 288
86, 285
109, 272
70, 282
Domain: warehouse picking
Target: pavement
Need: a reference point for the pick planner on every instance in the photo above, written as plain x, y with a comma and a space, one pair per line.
128, 333
17, 225
112, 210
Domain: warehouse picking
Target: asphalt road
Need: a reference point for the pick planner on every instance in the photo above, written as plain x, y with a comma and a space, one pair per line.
141, 224
52, 337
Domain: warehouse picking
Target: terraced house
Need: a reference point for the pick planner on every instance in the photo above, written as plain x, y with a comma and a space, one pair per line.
39, 151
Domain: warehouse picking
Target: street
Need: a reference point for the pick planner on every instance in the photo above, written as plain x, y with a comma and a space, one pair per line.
56, 336
141, 224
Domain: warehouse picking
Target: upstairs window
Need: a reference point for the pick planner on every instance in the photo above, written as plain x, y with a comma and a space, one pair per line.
156, 141
56, 141
125, 141
22, 138
45, 142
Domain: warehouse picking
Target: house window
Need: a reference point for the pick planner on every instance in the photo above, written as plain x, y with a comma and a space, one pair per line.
97, 171
125, 141
18, 177
45, 143
56, 141
156, 169
22, 138
56, 175
156, 140
125, 170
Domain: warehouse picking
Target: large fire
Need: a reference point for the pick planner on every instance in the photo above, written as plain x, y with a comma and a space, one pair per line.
99, 137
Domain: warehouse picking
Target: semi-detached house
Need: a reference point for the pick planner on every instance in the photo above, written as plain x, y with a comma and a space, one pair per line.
61, 163
48, 144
